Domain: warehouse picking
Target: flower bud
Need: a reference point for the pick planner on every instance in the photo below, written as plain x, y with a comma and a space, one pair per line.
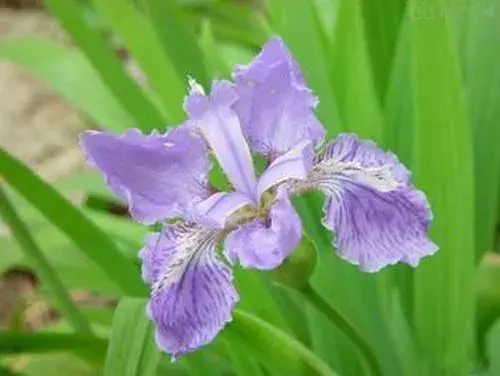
298, 267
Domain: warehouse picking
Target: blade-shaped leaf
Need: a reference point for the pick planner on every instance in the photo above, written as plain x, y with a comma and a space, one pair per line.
177, 39
132, 350
273, 348
73, 223
44, 269
442, 167
352, 76
382, 24
106, 64
87, 346
69, 73
482, 76
147, 49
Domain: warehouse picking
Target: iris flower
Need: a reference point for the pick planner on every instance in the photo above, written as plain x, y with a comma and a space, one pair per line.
376, 214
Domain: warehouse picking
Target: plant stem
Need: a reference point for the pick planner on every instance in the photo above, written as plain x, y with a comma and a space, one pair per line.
342, 323
44, 269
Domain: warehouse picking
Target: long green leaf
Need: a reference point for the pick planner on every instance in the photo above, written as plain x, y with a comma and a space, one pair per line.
382, 24
146, 47
89, 347
69, 73
177, 39
442, 168
482, 75
106, 64
352, 76
132, 350
44, 269
274, 348
7, 372
73, 223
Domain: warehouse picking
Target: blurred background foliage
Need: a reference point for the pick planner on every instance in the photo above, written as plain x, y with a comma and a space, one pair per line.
421, 77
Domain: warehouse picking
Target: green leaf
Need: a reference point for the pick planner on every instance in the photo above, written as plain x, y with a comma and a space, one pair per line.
47, 274
494, 350
482, 76
352, 76
73, 223
57, 364
307, 44
255, 297
69, 73
442, 168
147, 49
132, 349
177, 40
273, 348
382, 24
106, 64
89, 347
7, 372
218, 67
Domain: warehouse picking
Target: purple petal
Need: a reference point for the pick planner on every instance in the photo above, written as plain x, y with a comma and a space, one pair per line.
218, 207
275, 107
160, 176
265, 243
193, 292
378, 217
220, 125
293, 165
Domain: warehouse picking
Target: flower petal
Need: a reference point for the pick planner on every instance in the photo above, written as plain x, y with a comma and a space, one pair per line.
217, 208
293, 165
276, 109
220, 125
193, 292
160, 176
378, 217
265, 243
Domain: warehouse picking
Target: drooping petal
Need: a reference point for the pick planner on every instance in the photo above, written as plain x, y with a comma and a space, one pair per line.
192, 289
160, 176
216, 209
275, 106
293, 165
219, 124
265, 243
377, 215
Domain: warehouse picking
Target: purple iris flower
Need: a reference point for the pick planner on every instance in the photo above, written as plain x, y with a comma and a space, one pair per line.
377, 215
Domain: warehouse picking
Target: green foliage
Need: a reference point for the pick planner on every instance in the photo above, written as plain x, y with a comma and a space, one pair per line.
419, 77
131, 351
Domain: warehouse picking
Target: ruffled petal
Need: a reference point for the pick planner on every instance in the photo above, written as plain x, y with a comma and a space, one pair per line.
275, 106
192, 289
265, 243
220, 125
160, 176
377, 215
293, 165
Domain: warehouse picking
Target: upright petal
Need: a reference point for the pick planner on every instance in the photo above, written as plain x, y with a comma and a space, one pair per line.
293, 165
192, 290
264, 243
377, 215
220, 126
275, 107
215, 210
160, 176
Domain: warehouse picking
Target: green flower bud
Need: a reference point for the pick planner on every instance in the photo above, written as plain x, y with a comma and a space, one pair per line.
298, 267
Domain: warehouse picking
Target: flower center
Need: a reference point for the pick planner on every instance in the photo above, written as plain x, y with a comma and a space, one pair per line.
250, 212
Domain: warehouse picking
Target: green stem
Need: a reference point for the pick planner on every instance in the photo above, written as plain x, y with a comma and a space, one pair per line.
44, 270
342, 323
